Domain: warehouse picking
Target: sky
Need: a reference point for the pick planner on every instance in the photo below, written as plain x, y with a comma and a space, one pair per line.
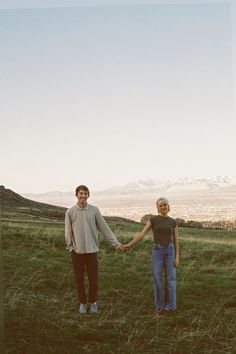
106, 95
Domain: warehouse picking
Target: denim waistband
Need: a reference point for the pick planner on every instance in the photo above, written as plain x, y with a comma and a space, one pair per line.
163, 244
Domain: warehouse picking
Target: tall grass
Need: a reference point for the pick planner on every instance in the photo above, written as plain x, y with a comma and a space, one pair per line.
41, 307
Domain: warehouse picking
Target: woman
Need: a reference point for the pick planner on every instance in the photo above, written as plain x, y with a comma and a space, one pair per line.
165, 255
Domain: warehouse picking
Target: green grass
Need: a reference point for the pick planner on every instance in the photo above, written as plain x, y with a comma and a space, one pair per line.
41, 308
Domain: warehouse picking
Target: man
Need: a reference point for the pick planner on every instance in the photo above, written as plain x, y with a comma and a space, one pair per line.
82, 223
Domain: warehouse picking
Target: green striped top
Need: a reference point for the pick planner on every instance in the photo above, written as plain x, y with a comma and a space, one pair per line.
162, 228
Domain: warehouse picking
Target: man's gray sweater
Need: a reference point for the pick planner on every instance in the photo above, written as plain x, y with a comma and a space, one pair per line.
81, 229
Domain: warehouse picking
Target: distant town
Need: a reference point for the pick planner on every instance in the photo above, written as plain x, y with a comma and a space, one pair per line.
210, 201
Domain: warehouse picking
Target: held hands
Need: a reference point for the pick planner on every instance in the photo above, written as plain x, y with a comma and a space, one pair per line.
127, 246
123, 248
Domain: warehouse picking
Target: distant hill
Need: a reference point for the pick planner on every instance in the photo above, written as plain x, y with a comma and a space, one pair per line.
15, 202
12, 200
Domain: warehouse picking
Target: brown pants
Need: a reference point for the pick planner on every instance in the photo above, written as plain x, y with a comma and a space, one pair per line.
86, 262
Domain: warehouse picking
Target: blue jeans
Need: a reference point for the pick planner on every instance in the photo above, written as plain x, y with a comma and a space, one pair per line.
163, 257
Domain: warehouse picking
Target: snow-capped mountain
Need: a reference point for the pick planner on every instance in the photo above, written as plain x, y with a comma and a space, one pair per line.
181, 186
177, 185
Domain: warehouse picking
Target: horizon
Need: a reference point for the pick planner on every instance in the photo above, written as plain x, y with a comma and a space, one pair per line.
197, 202
231, 178
108, 95
177, 179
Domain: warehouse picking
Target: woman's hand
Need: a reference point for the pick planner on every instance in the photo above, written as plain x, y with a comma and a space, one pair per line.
127, 246
176, 262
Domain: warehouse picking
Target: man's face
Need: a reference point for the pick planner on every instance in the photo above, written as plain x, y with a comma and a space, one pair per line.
82, 197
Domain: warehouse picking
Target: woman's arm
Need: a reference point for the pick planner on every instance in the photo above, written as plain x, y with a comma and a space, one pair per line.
137, 237
176, 244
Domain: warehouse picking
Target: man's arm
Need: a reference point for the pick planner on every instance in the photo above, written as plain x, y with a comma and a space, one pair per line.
106, 231
68, 232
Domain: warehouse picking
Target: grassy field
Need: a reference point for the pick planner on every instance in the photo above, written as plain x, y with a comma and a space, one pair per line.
41, 308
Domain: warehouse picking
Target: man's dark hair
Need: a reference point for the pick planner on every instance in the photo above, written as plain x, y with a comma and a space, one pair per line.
83, 188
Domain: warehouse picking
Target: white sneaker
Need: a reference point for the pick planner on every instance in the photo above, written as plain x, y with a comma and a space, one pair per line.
93, 308
83, 308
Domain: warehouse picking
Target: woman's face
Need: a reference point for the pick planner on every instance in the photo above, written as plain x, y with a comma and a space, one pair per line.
163, 207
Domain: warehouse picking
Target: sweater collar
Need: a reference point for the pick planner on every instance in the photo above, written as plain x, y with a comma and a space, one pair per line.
85, 208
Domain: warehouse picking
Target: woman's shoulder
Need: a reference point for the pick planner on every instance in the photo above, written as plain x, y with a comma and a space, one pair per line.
153, 217
173, 220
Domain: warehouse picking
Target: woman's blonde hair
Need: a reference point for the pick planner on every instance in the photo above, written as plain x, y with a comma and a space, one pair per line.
162, 199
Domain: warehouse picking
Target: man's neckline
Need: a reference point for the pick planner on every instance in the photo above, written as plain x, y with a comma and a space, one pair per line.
82, 207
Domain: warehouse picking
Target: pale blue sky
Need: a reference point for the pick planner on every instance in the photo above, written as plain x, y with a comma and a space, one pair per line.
107, 95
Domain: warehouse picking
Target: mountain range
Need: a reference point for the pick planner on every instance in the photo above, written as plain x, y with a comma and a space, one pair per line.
197, 199
181, 187
175, 185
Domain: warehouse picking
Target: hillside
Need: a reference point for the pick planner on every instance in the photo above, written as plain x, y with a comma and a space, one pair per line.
12, 203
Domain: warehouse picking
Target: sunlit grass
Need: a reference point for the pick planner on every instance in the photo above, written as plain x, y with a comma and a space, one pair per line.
41, 308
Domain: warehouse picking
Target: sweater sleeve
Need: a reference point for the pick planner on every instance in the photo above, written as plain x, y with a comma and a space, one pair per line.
68, 232
105, 230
